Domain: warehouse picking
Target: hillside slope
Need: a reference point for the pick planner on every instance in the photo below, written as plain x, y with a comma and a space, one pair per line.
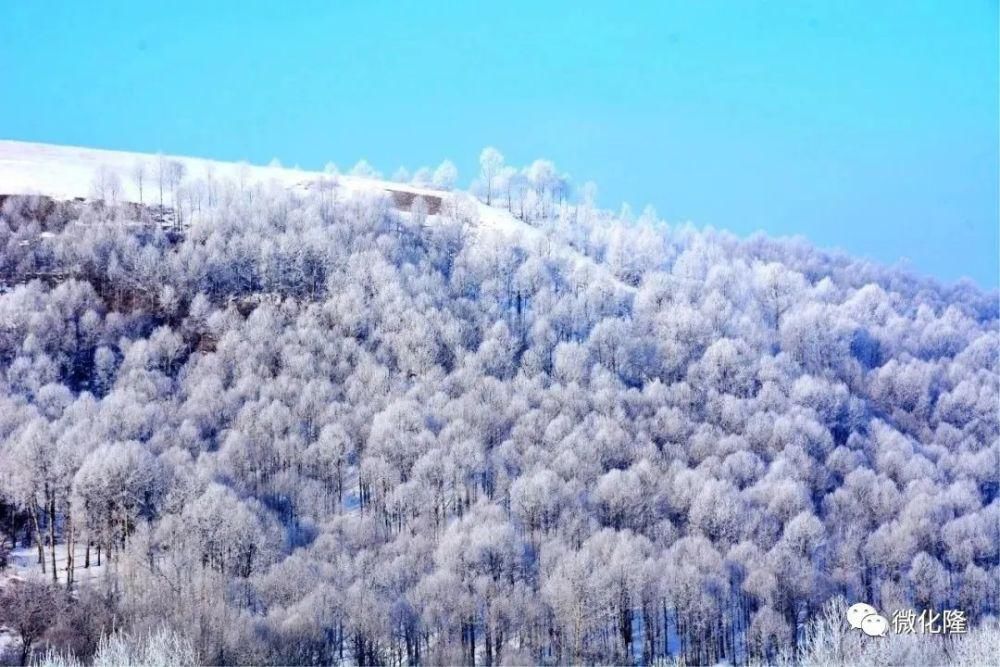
68, 172
323, 430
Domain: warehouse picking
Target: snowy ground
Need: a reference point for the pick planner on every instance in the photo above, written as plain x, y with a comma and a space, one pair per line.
24, 564
7, 642
67, 172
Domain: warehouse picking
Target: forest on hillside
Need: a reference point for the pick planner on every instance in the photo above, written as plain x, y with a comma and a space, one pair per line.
310, 428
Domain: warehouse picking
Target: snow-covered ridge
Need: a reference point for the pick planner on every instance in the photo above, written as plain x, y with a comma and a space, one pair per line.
67, 172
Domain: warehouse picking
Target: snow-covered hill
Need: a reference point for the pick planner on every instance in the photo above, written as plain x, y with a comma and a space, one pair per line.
268, 414
69, 172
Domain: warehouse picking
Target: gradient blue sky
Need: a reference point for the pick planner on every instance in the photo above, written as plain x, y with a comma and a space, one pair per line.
866, 126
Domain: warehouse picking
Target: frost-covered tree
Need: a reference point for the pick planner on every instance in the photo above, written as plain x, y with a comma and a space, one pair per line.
445, 176
139, 178
490, 165
364, 170
106, 186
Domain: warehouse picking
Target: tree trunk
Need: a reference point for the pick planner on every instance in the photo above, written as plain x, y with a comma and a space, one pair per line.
38, 537
52, 535
51, 502
488, 643
472, 642
340, 488
25, 650
625, 624
69, 552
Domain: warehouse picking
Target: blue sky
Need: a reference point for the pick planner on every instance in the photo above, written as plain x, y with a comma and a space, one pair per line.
865, 126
